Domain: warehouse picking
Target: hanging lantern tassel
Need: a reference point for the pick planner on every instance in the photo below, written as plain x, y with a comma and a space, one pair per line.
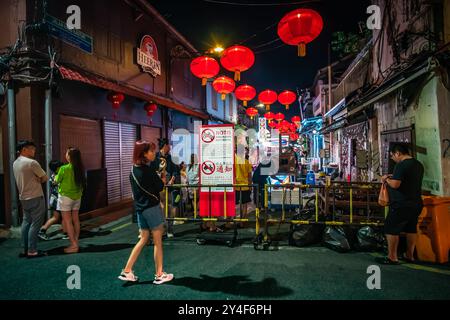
245, 103
237, 75
301, 48
223, 96
287, 107
204, 81
267, 107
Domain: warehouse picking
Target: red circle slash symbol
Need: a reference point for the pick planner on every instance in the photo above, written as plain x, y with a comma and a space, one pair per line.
208, 136
208, 168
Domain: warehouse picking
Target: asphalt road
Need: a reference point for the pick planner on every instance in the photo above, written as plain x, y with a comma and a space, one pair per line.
210, 272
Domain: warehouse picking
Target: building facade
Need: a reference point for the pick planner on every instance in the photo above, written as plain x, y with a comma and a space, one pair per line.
128, 49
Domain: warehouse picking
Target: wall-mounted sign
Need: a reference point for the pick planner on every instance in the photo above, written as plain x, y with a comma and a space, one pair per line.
76, 38
147, 56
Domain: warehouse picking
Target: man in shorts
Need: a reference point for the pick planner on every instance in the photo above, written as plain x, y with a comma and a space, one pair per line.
404, 187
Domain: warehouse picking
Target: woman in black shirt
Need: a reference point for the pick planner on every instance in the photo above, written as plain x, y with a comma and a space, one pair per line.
146, 186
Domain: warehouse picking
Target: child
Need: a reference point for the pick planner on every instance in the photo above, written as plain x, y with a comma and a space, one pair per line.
54, 166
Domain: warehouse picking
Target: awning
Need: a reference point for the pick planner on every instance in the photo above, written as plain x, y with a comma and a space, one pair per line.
336, 109
391, 85
95, 80
337, 124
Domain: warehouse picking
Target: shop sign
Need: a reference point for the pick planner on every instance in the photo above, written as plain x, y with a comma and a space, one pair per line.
147, 56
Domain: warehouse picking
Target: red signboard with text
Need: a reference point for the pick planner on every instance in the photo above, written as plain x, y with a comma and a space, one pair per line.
216, 166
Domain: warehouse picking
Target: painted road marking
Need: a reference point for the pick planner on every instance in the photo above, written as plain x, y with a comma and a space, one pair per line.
120, 227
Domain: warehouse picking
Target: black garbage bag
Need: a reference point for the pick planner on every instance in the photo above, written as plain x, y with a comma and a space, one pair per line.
305, 234
335, 238
369, 239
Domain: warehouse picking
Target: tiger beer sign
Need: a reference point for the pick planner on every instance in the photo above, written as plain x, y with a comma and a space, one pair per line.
147, 56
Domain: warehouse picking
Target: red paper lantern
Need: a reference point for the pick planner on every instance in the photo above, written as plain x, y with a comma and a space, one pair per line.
204, 68
116, 99
251, 112
152, 107
286, 98
224, 85
293, 127
267, 97
269, 116
284, 126
279, 117
296, 120
300, 27
237, 59
245, 93
273, 124
293, 136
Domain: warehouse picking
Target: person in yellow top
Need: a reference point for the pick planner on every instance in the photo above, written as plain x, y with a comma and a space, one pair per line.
71, 183
243, 171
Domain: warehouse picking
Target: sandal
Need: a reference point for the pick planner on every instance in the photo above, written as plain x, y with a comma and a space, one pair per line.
386, 260
37, 254
71, 250
405, 258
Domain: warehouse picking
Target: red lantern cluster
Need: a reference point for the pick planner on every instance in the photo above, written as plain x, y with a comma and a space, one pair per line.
286, 98
237, 59
293, 136
224, 85
204, 68
267, 97
251, 112
273, 124
245, 93
300, 27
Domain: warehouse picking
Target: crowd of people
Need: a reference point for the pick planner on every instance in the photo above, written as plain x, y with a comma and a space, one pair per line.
150, 172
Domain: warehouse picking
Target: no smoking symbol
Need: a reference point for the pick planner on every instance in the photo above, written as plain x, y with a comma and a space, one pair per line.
208, 168
208, 136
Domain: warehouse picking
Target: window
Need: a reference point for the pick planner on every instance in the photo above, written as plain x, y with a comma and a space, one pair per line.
119, 143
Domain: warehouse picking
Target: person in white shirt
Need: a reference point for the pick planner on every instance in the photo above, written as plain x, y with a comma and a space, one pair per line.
29, 177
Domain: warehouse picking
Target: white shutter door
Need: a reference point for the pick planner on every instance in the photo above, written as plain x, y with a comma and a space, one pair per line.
128, 138
112, 161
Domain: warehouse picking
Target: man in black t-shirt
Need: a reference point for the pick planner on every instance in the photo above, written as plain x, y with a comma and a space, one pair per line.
405, 202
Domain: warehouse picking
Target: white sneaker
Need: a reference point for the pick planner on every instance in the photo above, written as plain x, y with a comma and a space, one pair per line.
178, 222
128, 276
170, 235
165, 277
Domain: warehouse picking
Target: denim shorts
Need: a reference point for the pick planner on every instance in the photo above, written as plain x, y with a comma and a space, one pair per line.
150, 218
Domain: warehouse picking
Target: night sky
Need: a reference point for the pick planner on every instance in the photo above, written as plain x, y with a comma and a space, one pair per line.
205, 24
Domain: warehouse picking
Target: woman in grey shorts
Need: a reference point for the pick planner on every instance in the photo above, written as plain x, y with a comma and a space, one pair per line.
146, 186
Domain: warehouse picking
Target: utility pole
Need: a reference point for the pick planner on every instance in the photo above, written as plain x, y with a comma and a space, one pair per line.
330, 144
